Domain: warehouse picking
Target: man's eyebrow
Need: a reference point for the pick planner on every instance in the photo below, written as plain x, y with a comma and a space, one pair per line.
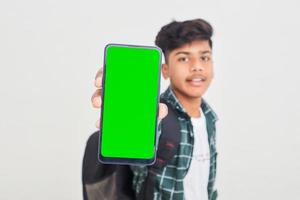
188, 53
183, 52
204, 52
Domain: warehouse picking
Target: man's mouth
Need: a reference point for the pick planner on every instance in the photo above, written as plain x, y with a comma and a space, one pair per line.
196, 80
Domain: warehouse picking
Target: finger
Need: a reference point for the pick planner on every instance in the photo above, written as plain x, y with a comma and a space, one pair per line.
98, 78
163, 111
99, 73
98, 123
96, 98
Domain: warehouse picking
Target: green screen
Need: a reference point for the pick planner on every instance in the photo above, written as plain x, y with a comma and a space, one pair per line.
130, 102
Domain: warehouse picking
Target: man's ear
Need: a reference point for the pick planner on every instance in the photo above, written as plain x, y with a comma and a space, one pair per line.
165, 71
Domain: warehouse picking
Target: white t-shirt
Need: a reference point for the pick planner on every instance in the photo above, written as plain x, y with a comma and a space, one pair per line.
196, 179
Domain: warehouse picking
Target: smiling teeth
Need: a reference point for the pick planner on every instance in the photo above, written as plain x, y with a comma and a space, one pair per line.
197, 79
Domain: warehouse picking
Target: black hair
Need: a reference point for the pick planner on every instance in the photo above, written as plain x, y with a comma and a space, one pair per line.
177, 34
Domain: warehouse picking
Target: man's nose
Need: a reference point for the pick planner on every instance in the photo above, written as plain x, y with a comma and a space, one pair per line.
196, 65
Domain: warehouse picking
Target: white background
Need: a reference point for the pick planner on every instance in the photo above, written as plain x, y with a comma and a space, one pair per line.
50, 51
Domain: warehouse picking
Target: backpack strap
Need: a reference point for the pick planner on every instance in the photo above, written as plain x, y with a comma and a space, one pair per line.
169, 139
167, 147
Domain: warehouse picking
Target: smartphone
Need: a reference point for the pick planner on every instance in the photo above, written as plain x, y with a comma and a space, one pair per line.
130, 101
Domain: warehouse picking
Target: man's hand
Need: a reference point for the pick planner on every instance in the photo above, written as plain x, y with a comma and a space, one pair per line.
96, 99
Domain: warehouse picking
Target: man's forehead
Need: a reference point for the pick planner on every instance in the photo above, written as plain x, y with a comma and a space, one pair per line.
196, 47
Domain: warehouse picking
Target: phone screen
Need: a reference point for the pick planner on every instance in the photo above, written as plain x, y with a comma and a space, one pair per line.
130, 97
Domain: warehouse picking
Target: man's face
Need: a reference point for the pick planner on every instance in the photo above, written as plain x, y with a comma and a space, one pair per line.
190, 69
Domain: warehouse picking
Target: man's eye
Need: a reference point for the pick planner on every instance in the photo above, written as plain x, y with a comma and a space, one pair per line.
205, 58
183, 59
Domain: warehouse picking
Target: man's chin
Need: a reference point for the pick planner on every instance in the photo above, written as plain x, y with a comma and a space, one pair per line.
193, 94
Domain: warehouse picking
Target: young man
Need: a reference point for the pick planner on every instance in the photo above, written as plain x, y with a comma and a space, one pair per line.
187, 47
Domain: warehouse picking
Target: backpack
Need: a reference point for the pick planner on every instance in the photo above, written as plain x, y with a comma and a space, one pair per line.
114, 181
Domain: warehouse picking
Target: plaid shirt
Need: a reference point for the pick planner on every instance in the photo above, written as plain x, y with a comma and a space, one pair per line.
169, 181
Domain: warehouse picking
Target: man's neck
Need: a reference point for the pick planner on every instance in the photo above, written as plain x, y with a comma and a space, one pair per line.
191, 105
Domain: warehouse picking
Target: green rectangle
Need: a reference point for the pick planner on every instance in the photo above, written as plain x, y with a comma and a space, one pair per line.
130, 101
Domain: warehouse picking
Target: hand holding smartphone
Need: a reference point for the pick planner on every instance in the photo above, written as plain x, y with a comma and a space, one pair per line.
129, 109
